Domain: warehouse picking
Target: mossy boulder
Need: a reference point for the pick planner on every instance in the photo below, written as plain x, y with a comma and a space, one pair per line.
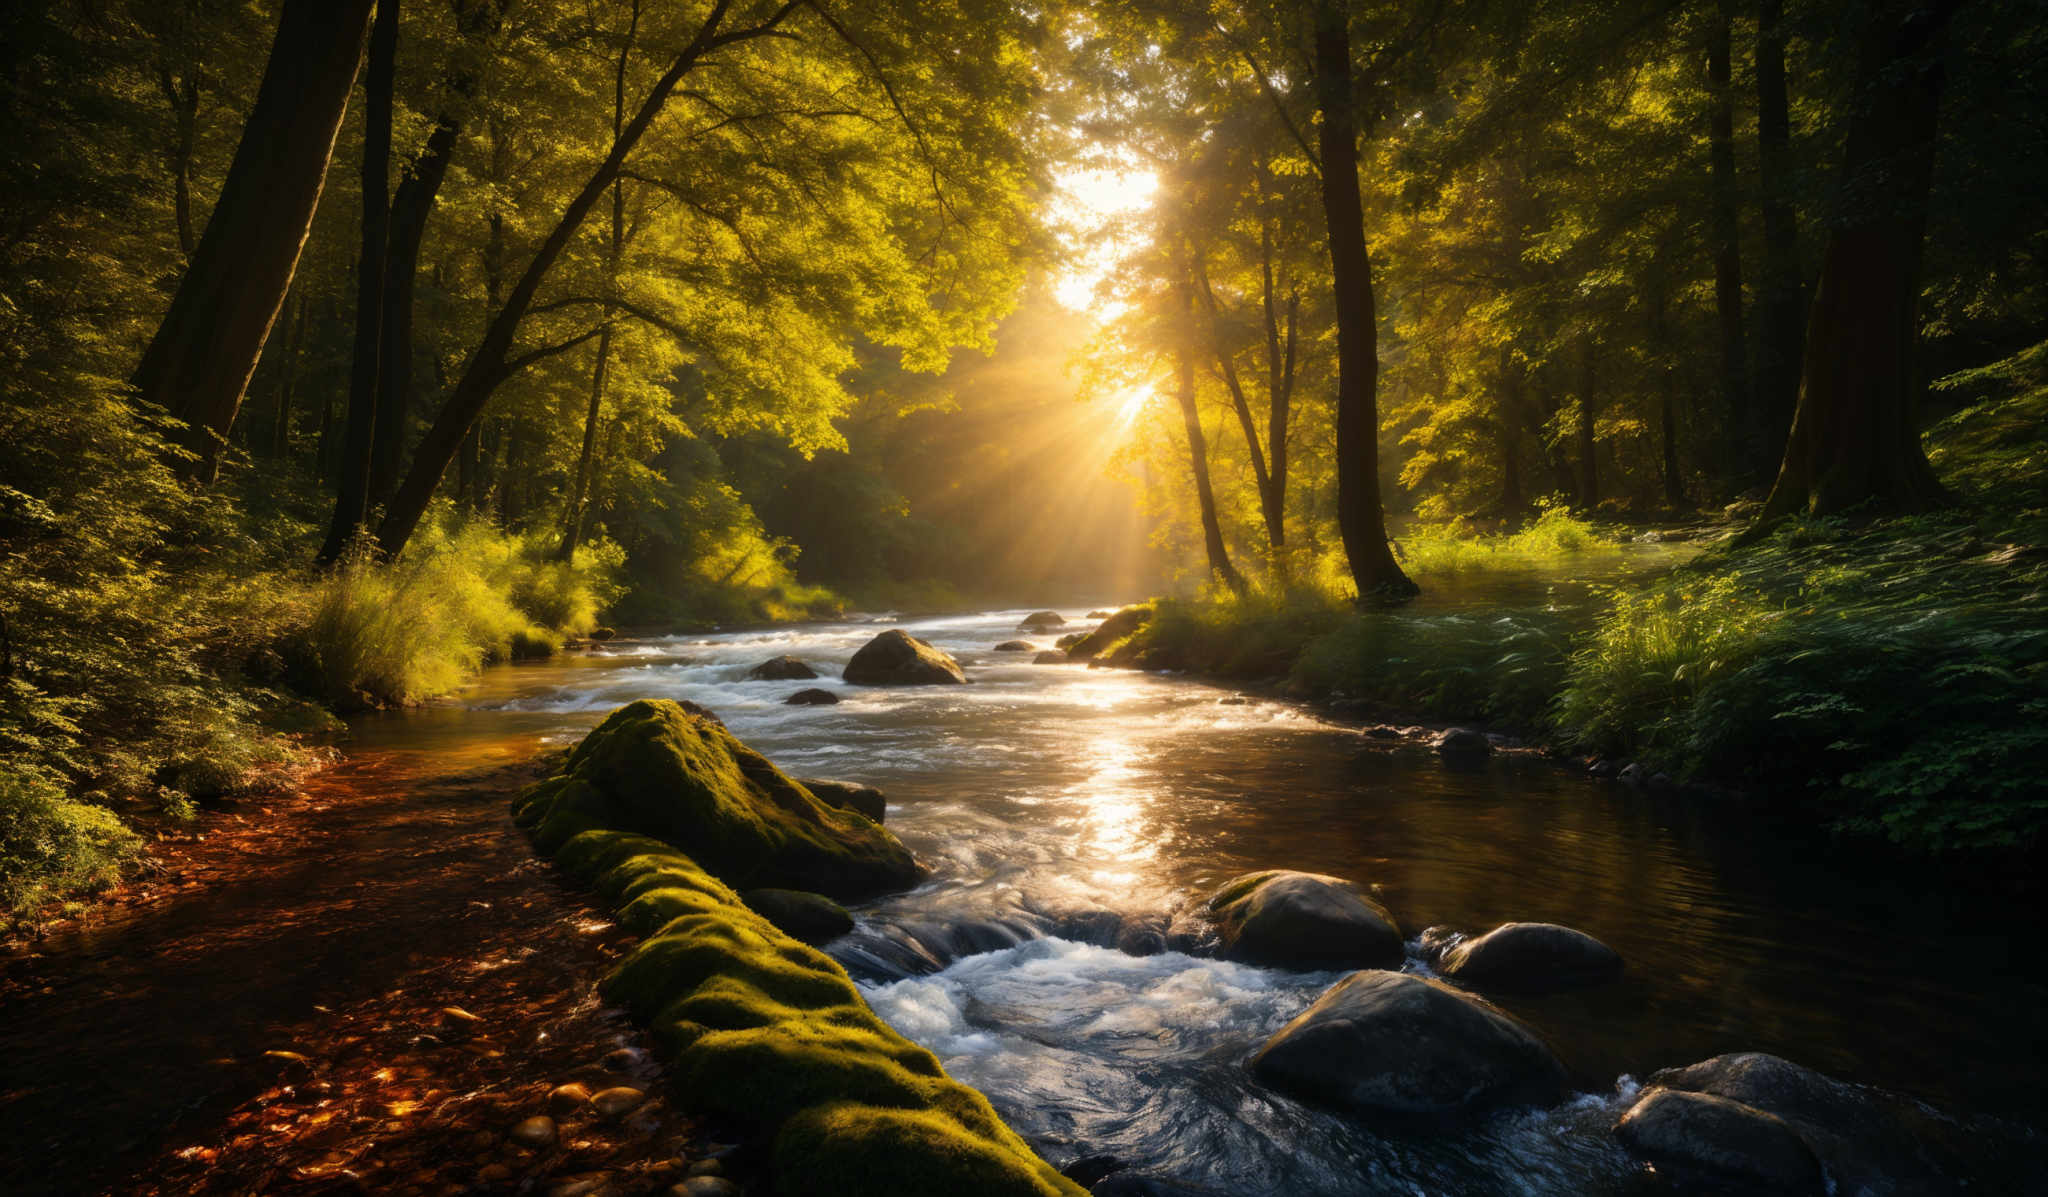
812, 918
1110, 632
1043, 621
1531, 957
897, 658
1399, 1044
656, 769
1284, 919
1052, 657
1016, 646
849, 795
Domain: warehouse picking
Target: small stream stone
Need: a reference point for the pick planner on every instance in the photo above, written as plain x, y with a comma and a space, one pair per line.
535, 1132
617, 1102
564, 1100
706, 1168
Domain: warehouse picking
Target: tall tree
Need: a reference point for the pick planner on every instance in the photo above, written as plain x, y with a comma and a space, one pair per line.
1724, 239
198, 364
1781, 306
1198, 447
1855, 440
1361, 519
352, 488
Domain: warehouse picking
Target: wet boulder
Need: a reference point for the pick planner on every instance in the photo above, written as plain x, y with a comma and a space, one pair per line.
1100, 614
1051, 657
654, 769
1712, 1140
1463, 744
847, 795
781, 669
1398, 1044
1530, 957
1043, 621
812, 697
1016, 646
896, 658
1872, 1143
1285, 919
1109, 632
812, 918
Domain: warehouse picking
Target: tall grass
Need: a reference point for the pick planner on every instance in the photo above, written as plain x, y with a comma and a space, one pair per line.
400, 633
1554, 537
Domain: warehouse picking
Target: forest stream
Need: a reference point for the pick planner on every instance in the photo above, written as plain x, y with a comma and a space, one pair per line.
1059, 805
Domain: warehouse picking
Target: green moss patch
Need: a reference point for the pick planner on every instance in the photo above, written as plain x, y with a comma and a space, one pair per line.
756, 1024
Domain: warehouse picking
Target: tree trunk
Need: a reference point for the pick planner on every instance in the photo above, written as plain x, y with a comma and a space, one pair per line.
1276, 532
1667, 396
410, 208
1589, 461
1855, 440
1724, 238
184, 102
352, 488
1198, 453
198, 364
493, 362
287, 385
1781, 329
1360, 518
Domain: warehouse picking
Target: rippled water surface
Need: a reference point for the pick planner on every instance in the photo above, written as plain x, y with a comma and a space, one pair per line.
1059, 802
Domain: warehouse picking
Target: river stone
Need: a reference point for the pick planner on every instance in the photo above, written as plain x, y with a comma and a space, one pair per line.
1725, 1140
1394, 1043
1111, 630
707, 1186
1051, 657
653, 768
1530, 956
847, 795
1016, 646
813, 918
1873, 1144
617, 1101
564, 1100
812, 697
896, 658
535, 1132
781, 669
1463, 743
1285, 919
1100, 614
1043, 621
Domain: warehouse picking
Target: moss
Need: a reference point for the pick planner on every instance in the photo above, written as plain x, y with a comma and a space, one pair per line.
759, 1025
1112, 632
659, 770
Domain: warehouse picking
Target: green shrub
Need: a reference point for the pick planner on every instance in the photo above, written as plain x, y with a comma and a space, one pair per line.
52, 846
1553, 535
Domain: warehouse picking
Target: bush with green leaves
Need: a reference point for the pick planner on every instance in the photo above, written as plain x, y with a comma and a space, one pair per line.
52, 846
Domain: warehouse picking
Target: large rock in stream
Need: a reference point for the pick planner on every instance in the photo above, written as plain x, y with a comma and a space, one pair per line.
784, 668
1043, 621
897, 658
848, 795
1111, 630
1284, 919
656, 769
1871, 1143
1398, 1044
1530, 957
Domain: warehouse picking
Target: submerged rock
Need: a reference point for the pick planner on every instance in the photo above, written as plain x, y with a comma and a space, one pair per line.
1530, 957
658, 770
781, 669
1463, 743
847, 795
812, 697
1393, 1043
896, 658
1043, 621
1285, 919
1016, 646
1111, 630
1715, 1139
1872, 1144
812, 918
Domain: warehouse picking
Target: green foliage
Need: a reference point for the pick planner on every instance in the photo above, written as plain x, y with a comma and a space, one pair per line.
1548, 541
52, 846
406, 631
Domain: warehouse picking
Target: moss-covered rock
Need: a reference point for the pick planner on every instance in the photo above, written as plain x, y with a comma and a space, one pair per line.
812, 918
849, 795
757, 1025
1116, 628
658, 770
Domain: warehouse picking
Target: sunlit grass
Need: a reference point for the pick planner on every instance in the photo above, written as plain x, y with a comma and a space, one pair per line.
1554, 539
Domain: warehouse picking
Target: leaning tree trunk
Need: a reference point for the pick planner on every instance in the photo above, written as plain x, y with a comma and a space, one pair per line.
1198, 455
410, 207
1855, 439
198, 364
1743, 452
1360, 517
352, 489
1781, 324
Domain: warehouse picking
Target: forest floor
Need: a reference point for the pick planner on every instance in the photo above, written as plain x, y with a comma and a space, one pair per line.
372, 987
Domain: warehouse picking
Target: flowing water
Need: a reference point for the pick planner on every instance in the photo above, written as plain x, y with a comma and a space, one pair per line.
1064, 808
